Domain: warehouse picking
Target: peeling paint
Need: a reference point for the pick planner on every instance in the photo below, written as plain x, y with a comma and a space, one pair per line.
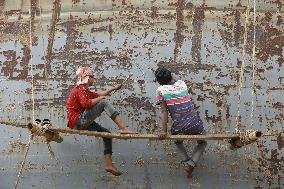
201, 42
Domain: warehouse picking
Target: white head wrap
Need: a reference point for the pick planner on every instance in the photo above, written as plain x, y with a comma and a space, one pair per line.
83, 74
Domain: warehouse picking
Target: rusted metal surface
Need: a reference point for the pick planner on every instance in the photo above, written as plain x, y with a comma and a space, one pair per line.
201, 42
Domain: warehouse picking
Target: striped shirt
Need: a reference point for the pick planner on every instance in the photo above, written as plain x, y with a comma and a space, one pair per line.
185, 118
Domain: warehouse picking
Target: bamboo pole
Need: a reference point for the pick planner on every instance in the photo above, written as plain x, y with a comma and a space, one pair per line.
142, 136
145, 136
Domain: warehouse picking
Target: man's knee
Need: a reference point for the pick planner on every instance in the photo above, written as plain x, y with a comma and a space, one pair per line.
102, 103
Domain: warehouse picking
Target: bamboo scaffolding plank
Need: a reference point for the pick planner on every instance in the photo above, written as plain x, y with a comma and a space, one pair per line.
146, 136
140, 135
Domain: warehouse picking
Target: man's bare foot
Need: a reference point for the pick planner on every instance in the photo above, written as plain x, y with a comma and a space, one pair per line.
113, 171
126, 131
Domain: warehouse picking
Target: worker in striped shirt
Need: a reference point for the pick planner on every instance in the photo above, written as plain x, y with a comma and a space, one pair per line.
173, 98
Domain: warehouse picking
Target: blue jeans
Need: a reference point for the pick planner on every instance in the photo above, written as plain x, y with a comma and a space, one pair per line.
86, 121
196, 153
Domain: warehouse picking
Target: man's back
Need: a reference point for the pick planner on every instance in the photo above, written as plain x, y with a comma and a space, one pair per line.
185, 117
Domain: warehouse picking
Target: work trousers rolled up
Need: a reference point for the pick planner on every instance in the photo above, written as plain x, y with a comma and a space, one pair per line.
86, 121
196, 153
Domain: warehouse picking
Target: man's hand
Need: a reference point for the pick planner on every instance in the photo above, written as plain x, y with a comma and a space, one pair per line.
108, 91
162, 134
116, 87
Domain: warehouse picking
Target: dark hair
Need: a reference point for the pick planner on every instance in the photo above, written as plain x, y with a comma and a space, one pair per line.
163, 76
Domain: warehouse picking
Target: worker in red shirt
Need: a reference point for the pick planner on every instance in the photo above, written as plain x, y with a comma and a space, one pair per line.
84, 106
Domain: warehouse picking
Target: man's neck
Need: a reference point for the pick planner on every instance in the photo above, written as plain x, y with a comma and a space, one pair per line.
172, 82
86, 86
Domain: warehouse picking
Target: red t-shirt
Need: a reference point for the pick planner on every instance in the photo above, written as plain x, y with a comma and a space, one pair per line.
79, 99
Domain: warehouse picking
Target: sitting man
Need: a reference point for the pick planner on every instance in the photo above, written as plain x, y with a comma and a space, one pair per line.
84, 106
174, 99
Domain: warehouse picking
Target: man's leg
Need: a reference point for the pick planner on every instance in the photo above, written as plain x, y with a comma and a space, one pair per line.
107, 149
107, 141
198, 151
182, 150
89, 115
195, 155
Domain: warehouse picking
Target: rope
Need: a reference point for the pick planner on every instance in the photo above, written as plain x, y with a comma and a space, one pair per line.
246, 133
33, 104
45, 62
241, 81
23, 162
31, 46
40, 130
253, 67
125, 80
50, 151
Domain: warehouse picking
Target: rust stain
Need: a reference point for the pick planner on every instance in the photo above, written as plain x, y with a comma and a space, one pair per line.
15, 28
280, 142
178, 68
2, 4
269, 39
22, 5
154, 11
197, 23
10, 64
279, 20
25, 62
75, 2
279, 4
232, 35
76, 51
14, 69
16, 146
72, 34
213, 118
55, 17
270, 167
279, 117
276, 162
110, 30
139, 103
107, 28
34, 11
278, 105
178, 36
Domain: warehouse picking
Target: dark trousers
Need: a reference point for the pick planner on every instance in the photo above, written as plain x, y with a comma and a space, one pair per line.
97, 127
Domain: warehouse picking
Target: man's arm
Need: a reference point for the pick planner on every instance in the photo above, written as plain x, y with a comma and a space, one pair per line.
98, 99
108, 91
164, 111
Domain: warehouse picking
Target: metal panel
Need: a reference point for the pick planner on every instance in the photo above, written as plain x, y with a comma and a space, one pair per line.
201, 42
